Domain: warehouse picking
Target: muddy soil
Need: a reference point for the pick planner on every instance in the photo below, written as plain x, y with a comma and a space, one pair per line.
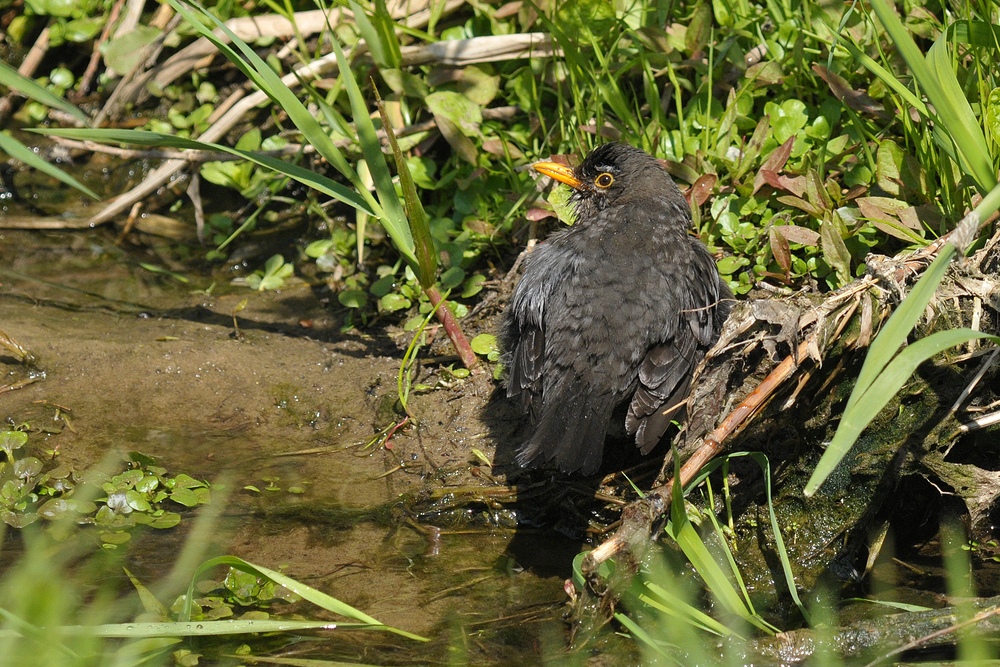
285, 402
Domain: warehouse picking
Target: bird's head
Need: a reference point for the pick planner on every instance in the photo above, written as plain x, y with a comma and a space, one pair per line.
612, 173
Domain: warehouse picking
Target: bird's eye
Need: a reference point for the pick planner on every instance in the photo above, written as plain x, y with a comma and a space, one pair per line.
604, 180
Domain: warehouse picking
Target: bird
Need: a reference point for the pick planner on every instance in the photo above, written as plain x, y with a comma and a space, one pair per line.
618, 308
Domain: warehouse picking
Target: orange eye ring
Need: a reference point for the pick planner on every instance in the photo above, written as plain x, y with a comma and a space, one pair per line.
604, 180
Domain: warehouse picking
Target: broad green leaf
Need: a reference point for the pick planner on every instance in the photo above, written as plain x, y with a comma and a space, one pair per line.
452, 278
83, 29
352, 298
465, 114
60, 8
125, 52
11, 441
834, 249
479, 85
484, 344
473, 285
394, 301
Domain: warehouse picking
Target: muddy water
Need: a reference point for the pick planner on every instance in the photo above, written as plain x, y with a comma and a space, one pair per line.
140, 361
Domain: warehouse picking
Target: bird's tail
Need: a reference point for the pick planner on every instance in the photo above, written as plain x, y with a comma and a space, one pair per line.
570, 434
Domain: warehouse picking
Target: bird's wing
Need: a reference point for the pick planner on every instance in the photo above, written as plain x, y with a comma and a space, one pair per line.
665, 371
522, 336
664, 379
701, 307
524, 379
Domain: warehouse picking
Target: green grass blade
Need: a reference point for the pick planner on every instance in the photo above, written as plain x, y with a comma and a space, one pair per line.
890, 604
870, 386
731, 561
415, 213
975, 33
958, 118
680, 529
937, 79
267, 80
194, 629
386, 27
882, 390
675, 606
636, 631
14, 80
900, 324
394, 218
309, 593
143, 138
886, 76
762, 461
379, 34
779, 542
16, 624
15, 149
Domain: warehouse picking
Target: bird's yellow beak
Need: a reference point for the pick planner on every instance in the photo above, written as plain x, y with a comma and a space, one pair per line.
559, 172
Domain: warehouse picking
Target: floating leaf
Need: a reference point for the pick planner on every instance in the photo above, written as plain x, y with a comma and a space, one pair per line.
352, 298
484, 344
124, 53
10, 441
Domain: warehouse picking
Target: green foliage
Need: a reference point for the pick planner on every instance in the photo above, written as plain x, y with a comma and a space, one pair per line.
486, 345
800, 139
61, 79
114, 503
788, 183
663, 614
273, 276
68, 20
958, 133
887, 368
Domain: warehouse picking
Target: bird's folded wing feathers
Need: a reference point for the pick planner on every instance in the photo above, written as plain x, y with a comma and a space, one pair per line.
664, 377
701, 296
525, 374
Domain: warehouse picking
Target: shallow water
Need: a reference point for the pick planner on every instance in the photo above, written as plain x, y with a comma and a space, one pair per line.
139, 361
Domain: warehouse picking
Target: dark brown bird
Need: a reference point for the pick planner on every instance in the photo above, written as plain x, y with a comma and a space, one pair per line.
619, 307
